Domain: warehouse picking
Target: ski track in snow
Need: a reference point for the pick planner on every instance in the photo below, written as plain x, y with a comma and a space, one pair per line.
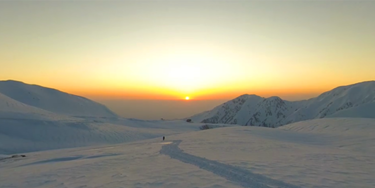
232, 173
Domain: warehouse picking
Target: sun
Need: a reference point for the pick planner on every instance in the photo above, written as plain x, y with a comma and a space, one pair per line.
187, 98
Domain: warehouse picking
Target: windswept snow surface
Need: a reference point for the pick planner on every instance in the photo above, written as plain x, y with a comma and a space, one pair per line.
235, 174
132, 165
330, 152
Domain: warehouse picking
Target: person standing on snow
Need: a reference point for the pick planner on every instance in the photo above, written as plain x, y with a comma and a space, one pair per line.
163, 138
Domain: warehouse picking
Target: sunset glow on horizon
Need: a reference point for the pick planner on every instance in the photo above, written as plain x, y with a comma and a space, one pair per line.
188, 50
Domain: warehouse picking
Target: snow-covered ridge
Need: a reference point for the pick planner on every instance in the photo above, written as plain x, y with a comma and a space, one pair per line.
51, 100
34, 118
357, 100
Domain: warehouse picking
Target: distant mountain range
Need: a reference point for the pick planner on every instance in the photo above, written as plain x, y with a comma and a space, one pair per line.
357, 100
20, 100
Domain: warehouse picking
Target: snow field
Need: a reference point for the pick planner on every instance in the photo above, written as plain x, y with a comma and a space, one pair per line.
308, 158
132, 165
316, 153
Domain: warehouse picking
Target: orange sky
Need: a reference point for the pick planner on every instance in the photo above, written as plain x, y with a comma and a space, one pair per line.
205, 94
202, 49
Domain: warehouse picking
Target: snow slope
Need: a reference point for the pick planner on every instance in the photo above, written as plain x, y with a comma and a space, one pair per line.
357, 100
365, 111
53, 100
12, 109
27, 135
327, 153
350, 97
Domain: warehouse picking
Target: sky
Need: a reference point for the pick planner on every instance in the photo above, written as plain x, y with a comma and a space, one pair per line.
158, 109
207, 50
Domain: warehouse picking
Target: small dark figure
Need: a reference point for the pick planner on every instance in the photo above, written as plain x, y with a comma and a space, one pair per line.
163, 138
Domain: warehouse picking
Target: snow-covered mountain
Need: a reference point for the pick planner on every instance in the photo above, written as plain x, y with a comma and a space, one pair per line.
12, 109
357, 100
33, 98
34, 118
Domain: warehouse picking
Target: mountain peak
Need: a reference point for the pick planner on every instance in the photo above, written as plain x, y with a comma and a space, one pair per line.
274, 98
248, 95
12, 81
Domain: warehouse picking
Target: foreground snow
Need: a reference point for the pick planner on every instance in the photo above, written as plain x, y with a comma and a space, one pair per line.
128, 165
235, 174
317, 153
